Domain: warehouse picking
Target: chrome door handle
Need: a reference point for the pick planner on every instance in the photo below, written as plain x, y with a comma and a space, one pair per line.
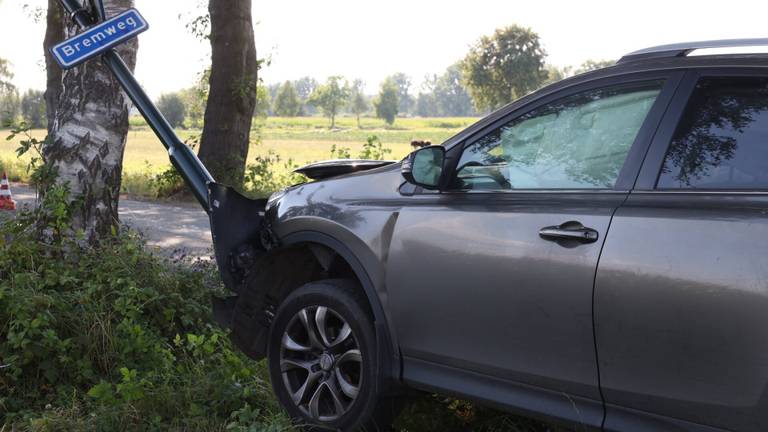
569, 231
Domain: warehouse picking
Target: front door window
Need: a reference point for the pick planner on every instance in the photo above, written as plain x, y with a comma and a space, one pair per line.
578, 142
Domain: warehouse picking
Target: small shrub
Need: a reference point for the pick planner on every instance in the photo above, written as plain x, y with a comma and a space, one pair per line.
270, 173
38, 171
340, 152
140, 183
169, 182
374, 149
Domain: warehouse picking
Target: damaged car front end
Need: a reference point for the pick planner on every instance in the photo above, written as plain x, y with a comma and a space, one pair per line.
266, 248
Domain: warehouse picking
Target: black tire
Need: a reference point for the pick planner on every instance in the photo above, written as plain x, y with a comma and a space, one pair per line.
332, 407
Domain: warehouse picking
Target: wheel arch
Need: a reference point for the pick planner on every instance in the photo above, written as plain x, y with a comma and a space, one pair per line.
389, 352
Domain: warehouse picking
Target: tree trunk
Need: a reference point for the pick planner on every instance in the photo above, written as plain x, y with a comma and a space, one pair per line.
54, 33
232, 98
89, 133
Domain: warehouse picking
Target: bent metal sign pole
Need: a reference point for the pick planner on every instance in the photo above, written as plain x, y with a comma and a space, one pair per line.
235, 219
98, 38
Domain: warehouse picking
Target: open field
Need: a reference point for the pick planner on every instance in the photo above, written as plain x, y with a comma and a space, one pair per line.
302, 139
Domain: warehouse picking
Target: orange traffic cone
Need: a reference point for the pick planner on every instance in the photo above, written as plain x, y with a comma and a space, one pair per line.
6, 199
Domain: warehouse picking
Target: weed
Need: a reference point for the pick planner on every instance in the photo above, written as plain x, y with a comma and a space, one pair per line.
40, 173
270, 173
374, 149
340, 152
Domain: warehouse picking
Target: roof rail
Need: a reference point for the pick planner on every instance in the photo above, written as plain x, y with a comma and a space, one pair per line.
683, 49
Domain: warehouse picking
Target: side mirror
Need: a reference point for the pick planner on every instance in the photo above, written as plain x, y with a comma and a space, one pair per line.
424, 167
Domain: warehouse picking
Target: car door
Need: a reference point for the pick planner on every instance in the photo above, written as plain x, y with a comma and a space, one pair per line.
681, 300
495, 275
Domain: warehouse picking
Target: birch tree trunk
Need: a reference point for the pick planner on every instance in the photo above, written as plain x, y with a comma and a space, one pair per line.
232, 98
89, 134
54, 33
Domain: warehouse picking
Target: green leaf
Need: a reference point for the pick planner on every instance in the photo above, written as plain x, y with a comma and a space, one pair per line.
101, 391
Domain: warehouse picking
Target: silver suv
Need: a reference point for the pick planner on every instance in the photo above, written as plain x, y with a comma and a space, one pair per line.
594, 253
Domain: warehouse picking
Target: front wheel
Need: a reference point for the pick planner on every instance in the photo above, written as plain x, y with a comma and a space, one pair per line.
322, 359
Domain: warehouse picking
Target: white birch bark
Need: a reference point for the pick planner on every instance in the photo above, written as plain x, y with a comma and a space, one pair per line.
89, 134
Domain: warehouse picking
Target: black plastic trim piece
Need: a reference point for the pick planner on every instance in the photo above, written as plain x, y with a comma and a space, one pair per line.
236, 221
224, 311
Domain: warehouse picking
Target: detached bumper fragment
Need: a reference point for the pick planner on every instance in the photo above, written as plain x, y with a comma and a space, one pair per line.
240, 236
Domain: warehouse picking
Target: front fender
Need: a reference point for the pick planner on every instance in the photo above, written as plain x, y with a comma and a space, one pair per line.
367, 254
385, 334
363, 275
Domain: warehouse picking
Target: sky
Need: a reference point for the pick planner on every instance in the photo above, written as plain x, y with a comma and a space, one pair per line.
372, 39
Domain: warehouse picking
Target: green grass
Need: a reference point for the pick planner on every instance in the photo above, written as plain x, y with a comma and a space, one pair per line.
301, 139
346, 131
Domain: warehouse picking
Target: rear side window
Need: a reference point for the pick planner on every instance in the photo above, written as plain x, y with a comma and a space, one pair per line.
722, 139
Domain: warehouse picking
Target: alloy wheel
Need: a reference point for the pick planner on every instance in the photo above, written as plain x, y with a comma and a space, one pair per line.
320, 363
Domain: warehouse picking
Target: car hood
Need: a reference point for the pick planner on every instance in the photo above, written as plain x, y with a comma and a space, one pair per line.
332, 168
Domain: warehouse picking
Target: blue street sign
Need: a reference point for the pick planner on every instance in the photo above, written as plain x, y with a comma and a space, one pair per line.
99, 38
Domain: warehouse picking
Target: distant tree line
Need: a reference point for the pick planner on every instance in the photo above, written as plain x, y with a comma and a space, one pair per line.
30, 106
10, 105
498, 69
445, 95
440, 96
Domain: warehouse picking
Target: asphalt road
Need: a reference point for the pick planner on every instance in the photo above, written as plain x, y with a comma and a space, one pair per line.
168, 226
